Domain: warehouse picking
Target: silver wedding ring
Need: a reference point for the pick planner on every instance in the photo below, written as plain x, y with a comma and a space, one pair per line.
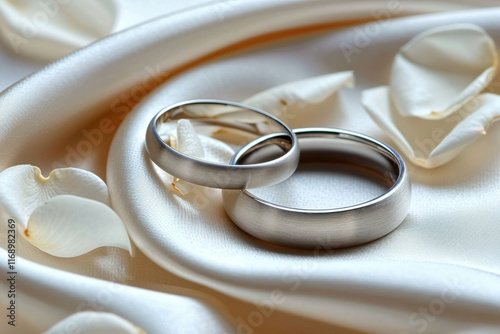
216, 175
330, 228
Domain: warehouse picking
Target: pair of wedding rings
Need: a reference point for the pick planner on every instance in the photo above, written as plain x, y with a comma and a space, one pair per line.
273, 156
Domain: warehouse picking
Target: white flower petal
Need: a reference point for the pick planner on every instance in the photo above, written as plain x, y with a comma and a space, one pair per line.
431, 143
94, 323
188, 141
68, 226
440, 70
23, 188
300, 94
473, 120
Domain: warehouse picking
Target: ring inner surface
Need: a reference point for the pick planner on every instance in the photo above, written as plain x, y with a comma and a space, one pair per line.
333, 173
232, 124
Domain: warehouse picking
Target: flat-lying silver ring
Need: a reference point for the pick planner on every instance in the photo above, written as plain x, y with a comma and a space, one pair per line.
217, 175
330, 228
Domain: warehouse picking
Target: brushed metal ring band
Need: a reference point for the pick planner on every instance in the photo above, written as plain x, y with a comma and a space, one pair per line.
330, 228
217, 175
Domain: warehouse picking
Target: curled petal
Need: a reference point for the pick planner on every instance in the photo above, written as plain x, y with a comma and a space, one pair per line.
23, 188
472, 121
69, 226
94, 322
440, 70
300, 94
431, 143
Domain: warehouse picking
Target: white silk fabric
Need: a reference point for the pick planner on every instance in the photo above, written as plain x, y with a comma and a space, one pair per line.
50, 29
438, 272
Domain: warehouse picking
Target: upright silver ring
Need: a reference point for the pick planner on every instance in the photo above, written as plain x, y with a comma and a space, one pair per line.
217, 175
330, 228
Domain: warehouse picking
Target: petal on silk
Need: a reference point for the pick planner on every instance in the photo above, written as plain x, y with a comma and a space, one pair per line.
23, 188
431, 143
66, 214
69, 226
441, 69
285, 100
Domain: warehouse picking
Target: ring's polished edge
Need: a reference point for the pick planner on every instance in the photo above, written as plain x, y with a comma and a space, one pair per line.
216, 175
330, 228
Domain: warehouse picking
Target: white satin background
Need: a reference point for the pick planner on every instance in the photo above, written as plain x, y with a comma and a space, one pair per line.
43, 47
449, 242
